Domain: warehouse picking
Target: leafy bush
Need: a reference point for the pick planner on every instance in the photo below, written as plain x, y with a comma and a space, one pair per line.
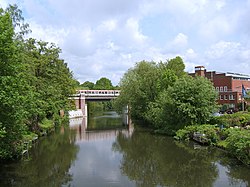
210, 131
230, 120
46, 126
183, 134
238, 144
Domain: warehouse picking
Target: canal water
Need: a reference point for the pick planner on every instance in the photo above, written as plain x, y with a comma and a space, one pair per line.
101, 151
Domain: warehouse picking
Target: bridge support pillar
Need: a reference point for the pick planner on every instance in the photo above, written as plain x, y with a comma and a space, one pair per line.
81, 104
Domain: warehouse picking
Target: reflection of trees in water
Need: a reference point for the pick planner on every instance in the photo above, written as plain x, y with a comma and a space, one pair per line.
237, 172
49, 163
102, 120
156, 160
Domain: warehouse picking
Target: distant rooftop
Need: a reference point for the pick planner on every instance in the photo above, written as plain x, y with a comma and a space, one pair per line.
229, 74
238, 75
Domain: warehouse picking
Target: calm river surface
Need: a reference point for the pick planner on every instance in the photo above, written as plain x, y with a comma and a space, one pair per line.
101, 152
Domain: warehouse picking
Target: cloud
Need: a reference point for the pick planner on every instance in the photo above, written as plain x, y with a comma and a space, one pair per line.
229, 56
180, 41
105, 38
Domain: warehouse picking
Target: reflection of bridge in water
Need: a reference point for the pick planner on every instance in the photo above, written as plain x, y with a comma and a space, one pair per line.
82, 134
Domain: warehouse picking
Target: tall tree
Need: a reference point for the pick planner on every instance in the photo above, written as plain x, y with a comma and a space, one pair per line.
14, 90
103, 84
50, 77
190, 101
34, 82
176, 65
138, 88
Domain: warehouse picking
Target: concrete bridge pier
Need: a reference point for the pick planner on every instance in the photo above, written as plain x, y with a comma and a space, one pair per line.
81, 104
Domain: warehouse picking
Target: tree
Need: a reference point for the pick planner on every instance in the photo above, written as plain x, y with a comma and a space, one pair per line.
177, 66
14, 90
88, 85
142, 84
34, 83
190, 101
50, 77
103, 84
138, 88
165, 96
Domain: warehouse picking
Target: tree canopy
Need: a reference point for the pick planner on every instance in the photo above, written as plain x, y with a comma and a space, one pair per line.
103, 84
163, 95
34, 82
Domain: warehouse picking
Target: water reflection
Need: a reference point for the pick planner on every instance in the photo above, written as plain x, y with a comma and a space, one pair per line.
159, 161
101, 151
97, 164
106, 125
48, 164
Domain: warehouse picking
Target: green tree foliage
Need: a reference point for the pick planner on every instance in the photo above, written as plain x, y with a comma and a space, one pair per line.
190, 101
103, 84
240, 119
138, 88
164, 95
176, 65
88, 85
50, 77
34, 82
14, 93
238, 144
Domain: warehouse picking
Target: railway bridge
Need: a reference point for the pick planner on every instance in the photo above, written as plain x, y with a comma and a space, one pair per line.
82, 96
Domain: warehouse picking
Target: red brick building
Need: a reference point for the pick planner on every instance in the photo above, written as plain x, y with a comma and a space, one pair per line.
228, 85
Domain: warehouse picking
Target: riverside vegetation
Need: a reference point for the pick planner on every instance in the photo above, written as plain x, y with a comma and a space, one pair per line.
165, 98
34, 85
230, 132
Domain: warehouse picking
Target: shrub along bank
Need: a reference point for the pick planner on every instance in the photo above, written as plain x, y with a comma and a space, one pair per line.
231, 134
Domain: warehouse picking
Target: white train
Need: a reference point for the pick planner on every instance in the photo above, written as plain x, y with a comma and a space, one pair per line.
114, 93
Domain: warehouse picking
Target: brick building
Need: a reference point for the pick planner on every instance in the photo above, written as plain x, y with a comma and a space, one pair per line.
228, 85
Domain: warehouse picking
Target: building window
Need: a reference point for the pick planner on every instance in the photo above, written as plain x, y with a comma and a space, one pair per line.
231, 97
225, 88
225, 97
221, 89
217, 89
221, 97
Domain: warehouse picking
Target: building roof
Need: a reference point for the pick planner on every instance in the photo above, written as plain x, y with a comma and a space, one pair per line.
238, 75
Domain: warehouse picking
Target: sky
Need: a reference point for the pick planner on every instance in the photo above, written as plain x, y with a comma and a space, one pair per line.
105, 38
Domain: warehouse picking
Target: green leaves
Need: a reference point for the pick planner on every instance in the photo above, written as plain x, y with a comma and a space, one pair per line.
103, 84
34, 82
189, 101
165, 96
238, 144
